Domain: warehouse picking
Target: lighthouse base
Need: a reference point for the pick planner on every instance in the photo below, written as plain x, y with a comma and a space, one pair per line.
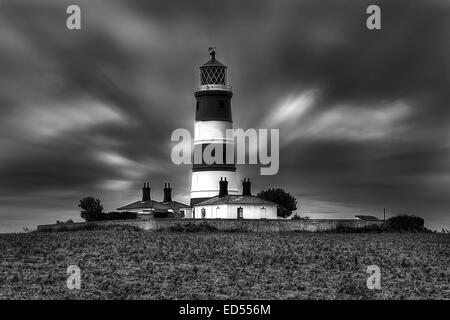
205, 184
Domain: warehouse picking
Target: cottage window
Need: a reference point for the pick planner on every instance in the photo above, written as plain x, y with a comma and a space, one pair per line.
203, 213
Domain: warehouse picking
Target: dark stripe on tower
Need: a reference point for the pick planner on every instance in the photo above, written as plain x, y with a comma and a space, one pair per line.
215, 166
213, 105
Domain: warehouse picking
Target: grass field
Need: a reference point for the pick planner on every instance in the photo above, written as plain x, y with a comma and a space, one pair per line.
123, 263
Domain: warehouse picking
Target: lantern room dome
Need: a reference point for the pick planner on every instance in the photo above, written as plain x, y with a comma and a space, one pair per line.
213, 62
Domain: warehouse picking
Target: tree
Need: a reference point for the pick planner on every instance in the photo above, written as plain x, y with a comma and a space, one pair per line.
286, 202
91, 209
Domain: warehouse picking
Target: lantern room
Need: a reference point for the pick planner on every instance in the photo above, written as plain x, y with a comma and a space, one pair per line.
213, 74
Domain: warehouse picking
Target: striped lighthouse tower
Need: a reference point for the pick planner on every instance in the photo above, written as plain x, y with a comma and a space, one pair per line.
212, 118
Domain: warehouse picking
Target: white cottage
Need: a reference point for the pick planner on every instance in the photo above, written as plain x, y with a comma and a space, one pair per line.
243, 206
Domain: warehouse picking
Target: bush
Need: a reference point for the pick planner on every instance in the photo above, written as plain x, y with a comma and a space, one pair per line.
62, 227
405, 223
367, 229
62, 222
161, 215
118, 227
114, 215
192, 227
298, 217
401, 223
93, 227
168, 214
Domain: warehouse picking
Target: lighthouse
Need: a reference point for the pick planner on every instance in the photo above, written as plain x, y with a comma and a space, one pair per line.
212, 119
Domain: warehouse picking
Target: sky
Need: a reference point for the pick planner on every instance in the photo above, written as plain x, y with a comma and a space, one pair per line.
363, 114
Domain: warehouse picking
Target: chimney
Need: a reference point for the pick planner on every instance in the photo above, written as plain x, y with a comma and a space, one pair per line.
246, 187
144, 193
223, 188
167, 193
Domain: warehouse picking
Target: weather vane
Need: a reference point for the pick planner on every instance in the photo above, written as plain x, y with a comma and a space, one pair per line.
212, 52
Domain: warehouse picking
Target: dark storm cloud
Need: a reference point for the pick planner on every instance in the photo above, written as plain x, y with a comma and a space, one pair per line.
363, 115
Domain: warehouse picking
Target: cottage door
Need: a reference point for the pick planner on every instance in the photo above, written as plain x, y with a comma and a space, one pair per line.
240, 213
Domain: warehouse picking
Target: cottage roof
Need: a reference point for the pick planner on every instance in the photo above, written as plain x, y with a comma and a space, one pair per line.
149, 205
236, 199
176, 205
367, 218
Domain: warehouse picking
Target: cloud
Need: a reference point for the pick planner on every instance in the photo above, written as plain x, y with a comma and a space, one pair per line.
48, 122
115, 185
290, 110
350, 122
299, 119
